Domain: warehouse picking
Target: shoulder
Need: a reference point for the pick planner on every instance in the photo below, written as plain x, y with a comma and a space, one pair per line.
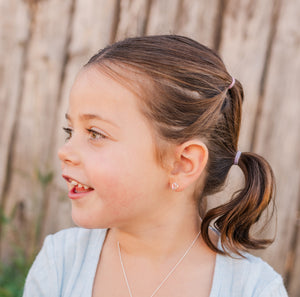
73, 245
248, 276
72, 248
63, 257
77, 238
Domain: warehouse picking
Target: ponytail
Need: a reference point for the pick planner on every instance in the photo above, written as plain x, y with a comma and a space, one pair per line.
234, 219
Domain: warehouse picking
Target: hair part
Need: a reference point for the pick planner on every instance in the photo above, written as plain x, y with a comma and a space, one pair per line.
185, 90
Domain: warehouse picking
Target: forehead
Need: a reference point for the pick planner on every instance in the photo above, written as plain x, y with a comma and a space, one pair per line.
120, 75
93, 86
95, 91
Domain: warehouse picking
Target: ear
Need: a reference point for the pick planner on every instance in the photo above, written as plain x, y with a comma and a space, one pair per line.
190, 160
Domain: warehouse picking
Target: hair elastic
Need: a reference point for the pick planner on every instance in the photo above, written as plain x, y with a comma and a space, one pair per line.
232, 83
237, 157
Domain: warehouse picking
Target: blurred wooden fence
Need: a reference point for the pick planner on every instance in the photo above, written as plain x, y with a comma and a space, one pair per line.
43, 43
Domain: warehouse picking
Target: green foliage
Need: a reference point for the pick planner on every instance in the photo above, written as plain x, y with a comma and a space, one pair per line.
3, 218
12, 275
45, 179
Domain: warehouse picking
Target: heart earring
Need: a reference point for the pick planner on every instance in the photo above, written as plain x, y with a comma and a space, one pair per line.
174, 186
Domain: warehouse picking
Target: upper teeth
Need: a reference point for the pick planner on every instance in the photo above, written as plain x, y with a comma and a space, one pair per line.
75, 183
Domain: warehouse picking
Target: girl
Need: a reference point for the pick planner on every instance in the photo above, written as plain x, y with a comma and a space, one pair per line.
153, 126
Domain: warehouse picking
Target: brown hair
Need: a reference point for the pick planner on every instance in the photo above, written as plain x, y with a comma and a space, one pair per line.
189, 97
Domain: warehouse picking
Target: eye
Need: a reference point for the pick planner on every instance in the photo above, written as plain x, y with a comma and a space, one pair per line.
69, 132
95, 135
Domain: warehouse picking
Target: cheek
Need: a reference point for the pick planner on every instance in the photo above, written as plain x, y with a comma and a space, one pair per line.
117, 177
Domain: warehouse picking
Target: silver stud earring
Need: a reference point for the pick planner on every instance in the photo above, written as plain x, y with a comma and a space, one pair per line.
174, 186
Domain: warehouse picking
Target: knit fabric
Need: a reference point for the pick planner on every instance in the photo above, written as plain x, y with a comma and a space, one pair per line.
67, 263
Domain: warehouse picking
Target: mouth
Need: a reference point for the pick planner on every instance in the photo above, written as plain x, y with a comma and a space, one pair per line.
76, 186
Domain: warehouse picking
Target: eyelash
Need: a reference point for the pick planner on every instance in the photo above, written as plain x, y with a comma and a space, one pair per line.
69, 132
94, 135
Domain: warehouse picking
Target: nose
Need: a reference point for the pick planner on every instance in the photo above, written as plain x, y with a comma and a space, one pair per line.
68, 155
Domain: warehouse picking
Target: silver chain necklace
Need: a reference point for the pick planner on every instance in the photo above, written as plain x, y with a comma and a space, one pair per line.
168, 275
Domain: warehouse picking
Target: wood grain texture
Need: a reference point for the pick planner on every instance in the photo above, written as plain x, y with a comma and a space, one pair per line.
293, 270
162, 17
197, 19
278, 135
13, 52
133, 18
244, 23
30, 153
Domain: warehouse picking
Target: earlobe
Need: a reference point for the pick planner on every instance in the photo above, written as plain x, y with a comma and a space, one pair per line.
191, 159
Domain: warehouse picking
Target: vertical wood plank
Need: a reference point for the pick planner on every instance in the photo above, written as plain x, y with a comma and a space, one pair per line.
246, 28
133, 18
278, 135
197, 20
162, 17
30, 154
294, 271
14, 33
189, 17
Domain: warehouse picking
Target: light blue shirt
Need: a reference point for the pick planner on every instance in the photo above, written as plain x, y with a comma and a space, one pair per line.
67, 263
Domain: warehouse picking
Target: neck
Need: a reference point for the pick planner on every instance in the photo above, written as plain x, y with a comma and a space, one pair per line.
157, 240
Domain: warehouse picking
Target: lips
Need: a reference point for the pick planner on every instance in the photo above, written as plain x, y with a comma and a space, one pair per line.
76, 186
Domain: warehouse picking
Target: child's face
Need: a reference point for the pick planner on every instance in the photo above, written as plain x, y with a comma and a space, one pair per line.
111, 150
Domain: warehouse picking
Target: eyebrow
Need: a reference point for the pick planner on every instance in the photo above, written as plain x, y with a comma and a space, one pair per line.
88, 116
